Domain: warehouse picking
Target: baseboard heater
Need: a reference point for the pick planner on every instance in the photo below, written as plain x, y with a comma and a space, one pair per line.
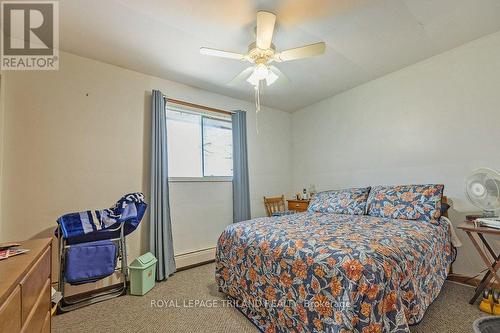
194, 258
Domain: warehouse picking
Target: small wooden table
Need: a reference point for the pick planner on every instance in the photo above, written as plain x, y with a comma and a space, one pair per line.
298, 205
470, 229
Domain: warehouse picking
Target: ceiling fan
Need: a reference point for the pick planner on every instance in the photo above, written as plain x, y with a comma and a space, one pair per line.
262, 53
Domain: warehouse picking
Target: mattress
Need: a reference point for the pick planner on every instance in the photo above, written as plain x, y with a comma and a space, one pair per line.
322, 272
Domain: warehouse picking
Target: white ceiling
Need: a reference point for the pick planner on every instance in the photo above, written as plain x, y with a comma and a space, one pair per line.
365, 39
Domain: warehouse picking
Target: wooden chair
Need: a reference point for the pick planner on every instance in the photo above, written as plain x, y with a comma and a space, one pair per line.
274, 205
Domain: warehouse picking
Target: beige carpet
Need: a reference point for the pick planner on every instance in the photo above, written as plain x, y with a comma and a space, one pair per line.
449, 313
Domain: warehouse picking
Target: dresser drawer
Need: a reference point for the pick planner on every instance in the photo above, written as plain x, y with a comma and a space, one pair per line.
34, 282
10, 316
36, 319
46, 323
25, 289
300, 206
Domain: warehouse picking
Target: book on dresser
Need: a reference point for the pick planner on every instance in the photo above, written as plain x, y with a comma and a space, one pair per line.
4, 254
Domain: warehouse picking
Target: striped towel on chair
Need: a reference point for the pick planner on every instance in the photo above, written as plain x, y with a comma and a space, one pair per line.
130, 209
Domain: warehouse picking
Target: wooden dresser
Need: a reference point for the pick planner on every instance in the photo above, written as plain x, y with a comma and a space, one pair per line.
298, 205
25, 297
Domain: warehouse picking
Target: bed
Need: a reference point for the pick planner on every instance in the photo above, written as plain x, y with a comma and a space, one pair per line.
321, 271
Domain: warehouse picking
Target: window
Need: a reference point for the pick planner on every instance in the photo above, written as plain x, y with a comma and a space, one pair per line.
217, 147
199, 145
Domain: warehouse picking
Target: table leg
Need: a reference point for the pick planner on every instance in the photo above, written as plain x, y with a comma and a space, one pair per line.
490, 250
480, 287
492, 267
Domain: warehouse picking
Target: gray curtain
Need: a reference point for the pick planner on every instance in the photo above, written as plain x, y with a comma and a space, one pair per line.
160, 234
241, 190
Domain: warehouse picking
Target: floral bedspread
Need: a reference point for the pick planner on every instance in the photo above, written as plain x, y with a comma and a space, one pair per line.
321, 272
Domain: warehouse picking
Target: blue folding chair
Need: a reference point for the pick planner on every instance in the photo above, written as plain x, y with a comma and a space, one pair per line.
90, 245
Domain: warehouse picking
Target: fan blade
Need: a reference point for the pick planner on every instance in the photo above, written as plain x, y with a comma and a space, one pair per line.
221, 53
282, 77
302, 52
242, 76
265, 29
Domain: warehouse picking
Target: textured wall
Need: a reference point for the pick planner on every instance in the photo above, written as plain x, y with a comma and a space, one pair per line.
434, 121
78, 138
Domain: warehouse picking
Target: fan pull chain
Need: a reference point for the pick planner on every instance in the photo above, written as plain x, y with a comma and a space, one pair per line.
257, 106
257, 98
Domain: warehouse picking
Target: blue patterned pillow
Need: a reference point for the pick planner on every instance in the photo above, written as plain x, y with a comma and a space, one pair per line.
408, 202
350, 201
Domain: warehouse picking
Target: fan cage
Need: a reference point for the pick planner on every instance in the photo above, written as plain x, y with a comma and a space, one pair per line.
489, 179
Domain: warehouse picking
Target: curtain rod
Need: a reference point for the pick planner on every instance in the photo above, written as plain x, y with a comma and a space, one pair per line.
198, 106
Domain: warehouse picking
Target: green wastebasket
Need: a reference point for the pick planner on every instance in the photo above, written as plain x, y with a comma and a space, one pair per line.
142, 274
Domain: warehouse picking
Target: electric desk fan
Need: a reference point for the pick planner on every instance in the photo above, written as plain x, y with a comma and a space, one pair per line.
483, 190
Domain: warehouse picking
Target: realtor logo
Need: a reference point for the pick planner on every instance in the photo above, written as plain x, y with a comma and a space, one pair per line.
30, 35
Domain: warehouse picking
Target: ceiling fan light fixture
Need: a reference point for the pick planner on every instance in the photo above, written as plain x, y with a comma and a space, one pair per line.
262, 72
253, 79
271, 78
